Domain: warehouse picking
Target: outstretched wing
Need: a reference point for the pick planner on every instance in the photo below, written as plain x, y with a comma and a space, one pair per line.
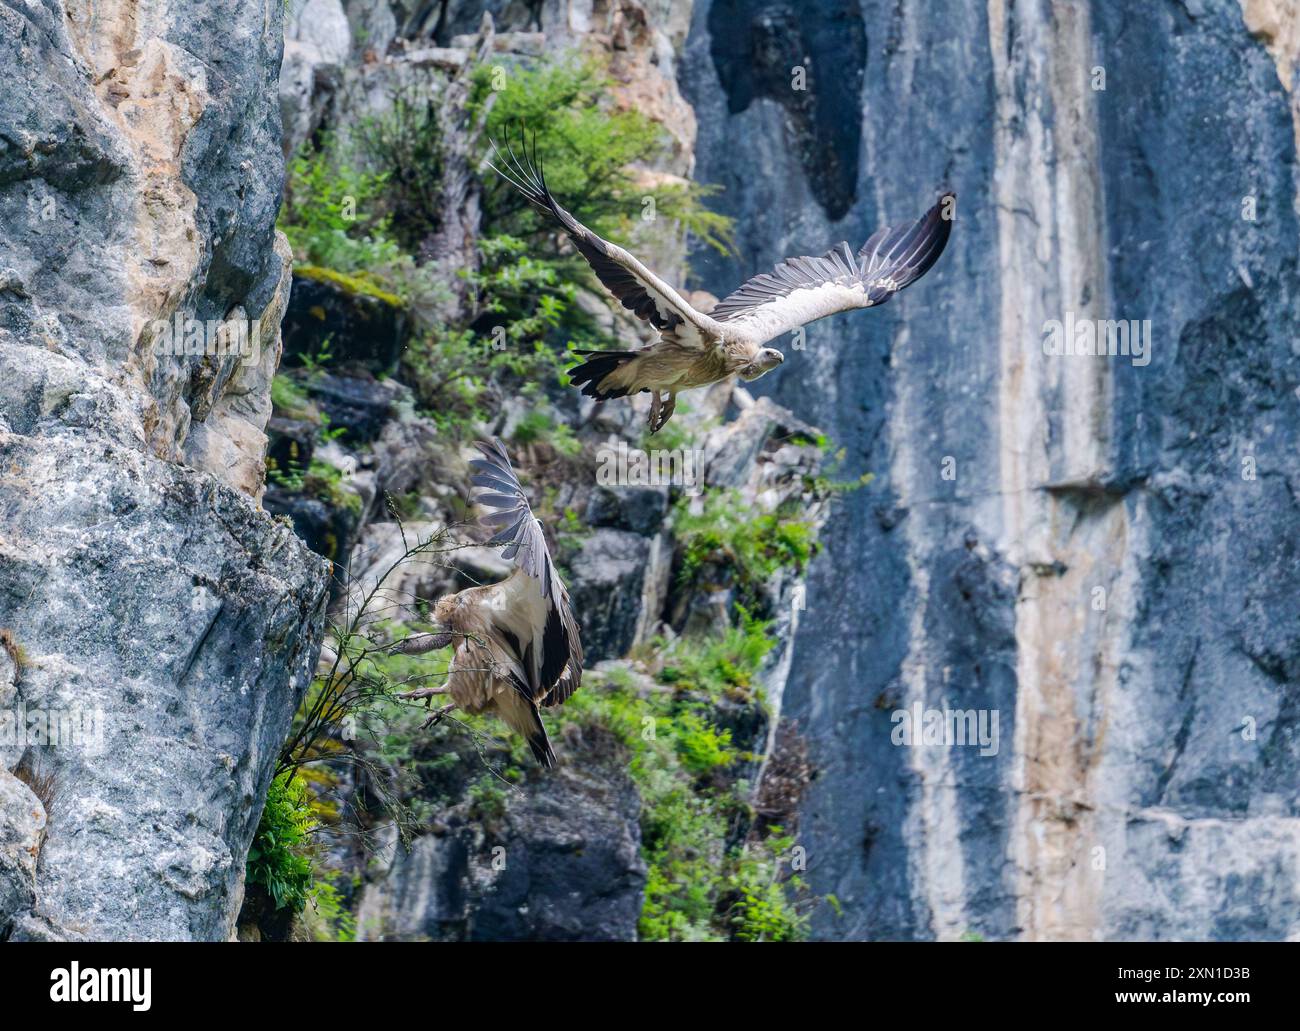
549, 645
635, 286
801, 290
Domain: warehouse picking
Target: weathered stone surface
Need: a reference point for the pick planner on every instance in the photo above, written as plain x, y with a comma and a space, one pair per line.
609, 579
153, 603
134, 187
1072, 474
638, 509
360, 403
205, 619
12, 743
228, 438
22, 826
317, 42
561, 864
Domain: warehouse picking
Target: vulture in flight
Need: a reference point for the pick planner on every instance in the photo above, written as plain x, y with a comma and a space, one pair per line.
516, 642
695, 349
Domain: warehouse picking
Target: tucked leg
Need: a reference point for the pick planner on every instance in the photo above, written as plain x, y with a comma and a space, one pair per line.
653, 421
423, 692
667, 412
418, 644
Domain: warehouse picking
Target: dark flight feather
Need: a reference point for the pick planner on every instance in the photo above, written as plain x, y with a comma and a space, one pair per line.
500, 490
892, 258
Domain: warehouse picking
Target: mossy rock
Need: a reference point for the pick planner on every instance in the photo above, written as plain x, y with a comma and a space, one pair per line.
337, 319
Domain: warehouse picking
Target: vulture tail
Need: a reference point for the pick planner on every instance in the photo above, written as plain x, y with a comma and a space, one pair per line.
521, 716
593, 371
540, 743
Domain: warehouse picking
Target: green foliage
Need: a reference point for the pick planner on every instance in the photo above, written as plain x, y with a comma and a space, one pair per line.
279, 860
325, 481
728, 532
329, 917
586, 150
319, 480
487, 798
760, 908
332, 213
290, 399
406, 142
540, 425
702, 747
348, 226
683, 831
700, 886
518, 341
683, 836
723, 665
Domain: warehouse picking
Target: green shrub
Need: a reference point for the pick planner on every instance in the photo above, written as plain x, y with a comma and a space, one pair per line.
587, 150
325, 481
329, 917
332, 213
290, 399
539, 425
406, 142
761, 908
280, 859
701, 746
698, 887
730, 533
723, 665
517, 339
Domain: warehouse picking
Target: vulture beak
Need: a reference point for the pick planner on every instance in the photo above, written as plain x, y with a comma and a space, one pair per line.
765, 361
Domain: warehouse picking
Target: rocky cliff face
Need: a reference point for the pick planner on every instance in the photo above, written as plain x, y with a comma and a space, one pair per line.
159, 628
493, 848
1103, 551
1099, 553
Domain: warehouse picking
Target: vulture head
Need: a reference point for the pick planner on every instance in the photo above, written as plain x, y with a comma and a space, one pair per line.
444, 613
767, 359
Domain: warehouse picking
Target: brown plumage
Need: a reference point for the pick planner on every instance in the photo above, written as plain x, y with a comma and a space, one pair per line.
517, 645
695, 349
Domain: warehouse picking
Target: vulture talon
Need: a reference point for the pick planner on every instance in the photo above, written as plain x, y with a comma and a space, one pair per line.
661, 410
436, 717
669, 405
423, 692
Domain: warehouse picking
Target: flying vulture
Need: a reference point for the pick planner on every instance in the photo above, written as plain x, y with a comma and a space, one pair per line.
516, 642
695, 349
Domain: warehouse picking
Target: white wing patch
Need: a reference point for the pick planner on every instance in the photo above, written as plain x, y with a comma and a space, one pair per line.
802, 290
